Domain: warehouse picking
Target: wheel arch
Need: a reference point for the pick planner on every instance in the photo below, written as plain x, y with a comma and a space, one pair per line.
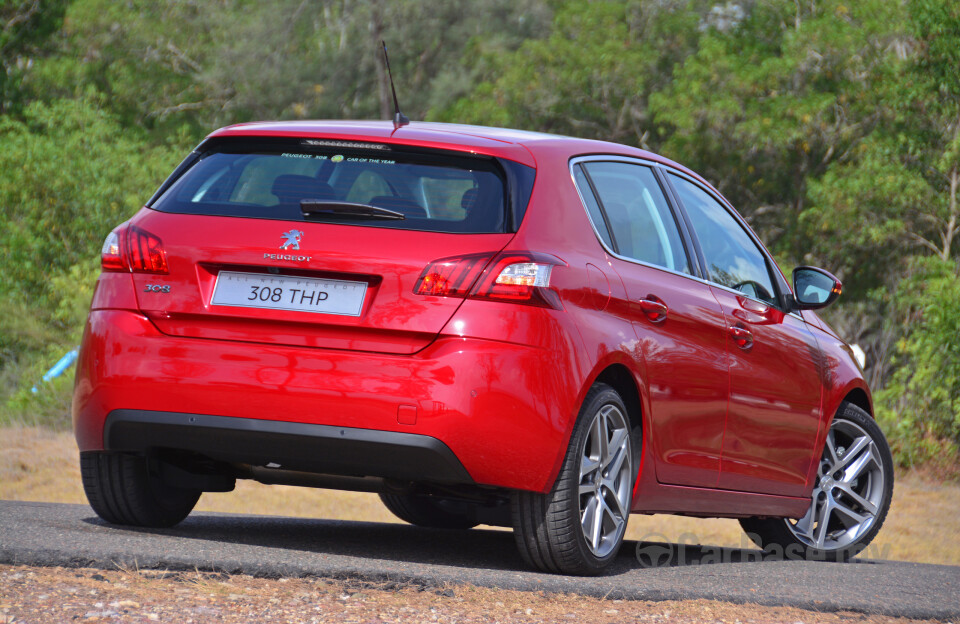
856, 392
621, 379
617, 372
860, 398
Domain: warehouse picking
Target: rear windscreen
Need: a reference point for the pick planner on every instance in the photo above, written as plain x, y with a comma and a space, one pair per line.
276, 179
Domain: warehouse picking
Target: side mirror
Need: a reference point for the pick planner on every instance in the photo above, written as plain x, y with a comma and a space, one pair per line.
814, 288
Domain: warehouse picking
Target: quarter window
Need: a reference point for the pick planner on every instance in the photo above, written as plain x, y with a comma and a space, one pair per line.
733, 259
592, 206
641, 222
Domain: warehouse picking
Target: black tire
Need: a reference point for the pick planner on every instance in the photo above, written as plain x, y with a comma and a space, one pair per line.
122, 489
783, 537
547, 527
431, 512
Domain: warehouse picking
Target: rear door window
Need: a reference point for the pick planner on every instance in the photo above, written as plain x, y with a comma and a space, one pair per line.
640, 219
269, 180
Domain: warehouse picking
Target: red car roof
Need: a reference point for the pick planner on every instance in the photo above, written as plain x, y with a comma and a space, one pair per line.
518, 145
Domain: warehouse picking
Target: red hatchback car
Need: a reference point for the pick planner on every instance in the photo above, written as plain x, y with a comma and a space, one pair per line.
481, 325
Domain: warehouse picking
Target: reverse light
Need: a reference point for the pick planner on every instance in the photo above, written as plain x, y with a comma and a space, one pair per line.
133, 249
525, 274
111, 256
518, 278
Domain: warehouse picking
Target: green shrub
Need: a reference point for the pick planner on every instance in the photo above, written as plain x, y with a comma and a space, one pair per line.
49, 406
920, 405
71, 173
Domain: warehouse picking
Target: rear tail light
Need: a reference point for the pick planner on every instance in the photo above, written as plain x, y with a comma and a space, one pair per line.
519, 278
145, 251
133, 249
451, 277
515, 277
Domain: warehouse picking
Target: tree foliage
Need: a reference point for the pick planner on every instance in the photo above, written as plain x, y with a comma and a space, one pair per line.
71, 174
832, 125
162, 63
25, 27
921, 402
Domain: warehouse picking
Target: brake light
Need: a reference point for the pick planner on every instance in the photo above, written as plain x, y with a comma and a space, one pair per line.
451, 277
133, 249
515, 277
146, 251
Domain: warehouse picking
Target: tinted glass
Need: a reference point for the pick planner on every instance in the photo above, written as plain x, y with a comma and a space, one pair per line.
641, 221
592, 206
733, 259
269, 180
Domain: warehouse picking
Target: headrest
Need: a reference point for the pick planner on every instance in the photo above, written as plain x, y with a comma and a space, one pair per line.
293, 188
469, 199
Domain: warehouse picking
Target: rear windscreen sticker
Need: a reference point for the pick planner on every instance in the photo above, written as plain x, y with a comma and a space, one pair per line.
304, 156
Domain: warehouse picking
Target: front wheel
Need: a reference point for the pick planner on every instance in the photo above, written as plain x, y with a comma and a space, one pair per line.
850, 498
431, 512
578, 527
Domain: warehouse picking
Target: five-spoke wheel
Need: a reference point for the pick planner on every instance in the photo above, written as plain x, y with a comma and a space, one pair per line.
578, 527
848, 492
605, 480
850, 498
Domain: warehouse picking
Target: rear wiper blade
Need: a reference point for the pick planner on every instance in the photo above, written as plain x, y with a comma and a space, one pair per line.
337, 208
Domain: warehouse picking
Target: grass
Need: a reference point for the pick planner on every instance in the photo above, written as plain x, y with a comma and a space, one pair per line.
37, 464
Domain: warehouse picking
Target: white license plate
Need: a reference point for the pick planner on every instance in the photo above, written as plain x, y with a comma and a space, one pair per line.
285, 292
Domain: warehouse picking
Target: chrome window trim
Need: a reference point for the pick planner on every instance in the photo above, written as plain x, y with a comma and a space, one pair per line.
669, 170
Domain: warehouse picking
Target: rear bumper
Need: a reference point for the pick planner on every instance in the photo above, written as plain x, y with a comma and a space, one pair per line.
467, 410
288, 446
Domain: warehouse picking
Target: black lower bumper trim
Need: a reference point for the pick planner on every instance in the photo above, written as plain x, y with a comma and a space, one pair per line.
294, 446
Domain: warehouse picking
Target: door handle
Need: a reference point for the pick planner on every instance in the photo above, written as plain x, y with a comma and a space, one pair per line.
654, 309
742, 337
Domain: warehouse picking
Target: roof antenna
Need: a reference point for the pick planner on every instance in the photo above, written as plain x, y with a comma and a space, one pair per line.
399, 119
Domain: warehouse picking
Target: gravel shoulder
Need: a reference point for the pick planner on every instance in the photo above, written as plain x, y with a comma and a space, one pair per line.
43, 595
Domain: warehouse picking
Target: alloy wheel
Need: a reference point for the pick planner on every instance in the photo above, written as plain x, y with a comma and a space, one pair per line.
605, 484
848, 493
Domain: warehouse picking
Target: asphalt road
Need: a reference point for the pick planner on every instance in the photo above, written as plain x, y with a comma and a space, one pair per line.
48, 534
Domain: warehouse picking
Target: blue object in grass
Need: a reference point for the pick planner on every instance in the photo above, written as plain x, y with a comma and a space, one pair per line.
62, 364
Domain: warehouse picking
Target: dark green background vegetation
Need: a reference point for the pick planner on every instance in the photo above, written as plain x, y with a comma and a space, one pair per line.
834, 126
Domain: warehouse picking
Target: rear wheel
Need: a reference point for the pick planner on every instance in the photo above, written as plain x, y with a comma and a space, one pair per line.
578, 527
430, 511
123, 489
850, 499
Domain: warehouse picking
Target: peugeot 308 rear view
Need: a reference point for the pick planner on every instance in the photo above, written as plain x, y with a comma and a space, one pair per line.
483, 326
